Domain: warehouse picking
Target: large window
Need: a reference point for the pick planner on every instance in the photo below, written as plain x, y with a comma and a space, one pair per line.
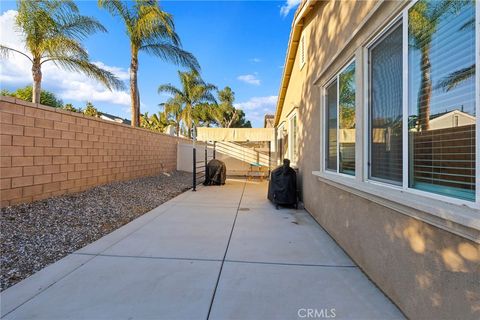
331, 127
340, 122
435, 44
441, 93
293, 137
385, 96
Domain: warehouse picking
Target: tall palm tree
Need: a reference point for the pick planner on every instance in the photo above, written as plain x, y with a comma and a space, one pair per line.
152, 31
53, 30
193, 91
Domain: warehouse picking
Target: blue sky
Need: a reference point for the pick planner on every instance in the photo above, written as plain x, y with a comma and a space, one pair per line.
241, 44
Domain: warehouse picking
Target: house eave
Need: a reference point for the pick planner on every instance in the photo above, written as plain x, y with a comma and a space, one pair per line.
294, 39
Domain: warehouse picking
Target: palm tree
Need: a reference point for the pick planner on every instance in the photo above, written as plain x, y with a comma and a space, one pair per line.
53, 30
193, 91
457, 77
155, 122
424, 18
174, 112
226, 115
152, 31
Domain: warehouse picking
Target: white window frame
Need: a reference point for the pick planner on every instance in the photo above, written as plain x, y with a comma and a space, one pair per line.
336, 77
403, 17
280, 137
366, 103
454, 215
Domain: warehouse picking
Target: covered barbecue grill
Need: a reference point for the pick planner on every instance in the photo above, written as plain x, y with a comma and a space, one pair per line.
216, 173
282, 188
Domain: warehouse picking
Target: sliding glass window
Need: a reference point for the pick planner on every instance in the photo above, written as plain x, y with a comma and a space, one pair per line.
331, 127
441, 93
294, 137
385, 107
346, 123
340, 115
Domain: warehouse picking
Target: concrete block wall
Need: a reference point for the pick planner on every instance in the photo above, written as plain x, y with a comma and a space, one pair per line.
46, 152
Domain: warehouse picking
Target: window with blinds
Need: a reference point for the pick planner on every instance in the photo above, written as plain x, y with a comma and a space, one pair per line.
294, 143
346, 121
331, 127
385, 108
441, 93
340, 122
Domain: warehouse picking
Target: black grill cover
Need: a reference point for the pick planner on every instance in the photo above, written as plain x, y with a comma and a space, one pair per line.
215, 173
282, 188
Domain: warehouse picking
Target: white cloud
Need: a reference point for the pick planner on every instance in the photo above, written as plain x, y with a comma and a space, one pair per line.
250, 79
258, 103
256, 108
288, 6
16, 69
256, 60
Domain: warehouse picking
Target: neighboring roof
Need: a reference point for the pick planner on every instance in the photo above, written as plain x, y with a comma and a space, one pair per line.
268, 121
295, 33
446, 114
111, 117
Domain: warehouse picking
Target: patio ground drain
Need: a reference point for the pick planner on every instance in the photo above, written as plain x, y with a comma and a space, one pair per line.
244, 209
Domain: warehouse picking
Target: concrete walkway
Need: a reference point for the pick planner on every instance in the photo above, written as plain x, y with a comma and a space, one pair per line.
218, 253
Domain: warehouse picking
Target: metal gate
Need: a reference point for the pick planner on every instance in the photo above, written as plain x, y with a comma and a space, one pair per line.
200, 163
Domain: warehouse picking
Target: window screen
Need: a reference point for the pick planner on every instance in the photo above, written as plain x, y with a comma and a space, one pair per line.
441, 56
385, 104
346, 123
293, 126
331, 127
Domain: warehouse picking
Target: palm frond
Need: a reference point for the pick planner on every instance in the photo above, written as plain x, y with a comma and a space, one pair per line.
454, 79
155, 25
79, 27
90, 70
172, 53
61, 45
470, 24
168, 88
4, 52
116, 8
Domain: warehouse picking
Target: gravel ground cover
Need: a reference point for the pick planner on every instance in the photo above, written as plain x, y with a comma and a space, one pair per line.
37, 234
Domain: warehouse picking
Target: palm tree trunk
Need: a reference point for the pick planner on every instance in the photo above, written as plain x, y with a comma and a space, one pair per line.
188, 120
232, 119
425, 96
134, 96
138, 104
37, 80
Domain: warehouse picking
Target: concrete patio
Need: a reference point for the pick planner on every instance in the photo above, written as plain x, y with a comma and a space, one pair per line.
218, 253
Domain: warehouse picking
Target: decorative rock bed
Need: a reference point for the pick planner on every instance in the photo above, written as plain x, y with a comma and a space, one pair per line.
37, 234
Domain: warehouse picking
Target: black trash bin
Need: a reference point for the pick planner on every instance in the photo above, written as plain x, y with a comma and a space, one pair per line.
282, 188
215, 173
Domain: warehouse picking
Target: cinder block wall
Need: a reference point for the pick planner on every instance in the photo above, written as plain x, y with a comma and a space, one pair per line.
47, 152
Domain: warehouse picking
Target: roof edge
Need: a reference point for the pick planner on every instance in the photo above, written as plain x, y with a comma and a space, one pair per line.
295, 32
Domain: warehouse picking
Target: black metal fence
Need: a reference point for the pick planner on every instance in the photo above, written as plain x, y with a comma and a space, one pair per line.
200, 165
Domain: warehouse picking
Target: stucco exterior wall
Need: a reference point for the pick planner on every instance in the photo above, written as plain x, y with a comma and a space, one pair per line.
428, 272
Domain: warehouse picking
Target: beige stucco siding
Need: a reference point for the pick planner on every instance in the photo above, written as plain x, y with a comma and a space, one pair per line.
428, 272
